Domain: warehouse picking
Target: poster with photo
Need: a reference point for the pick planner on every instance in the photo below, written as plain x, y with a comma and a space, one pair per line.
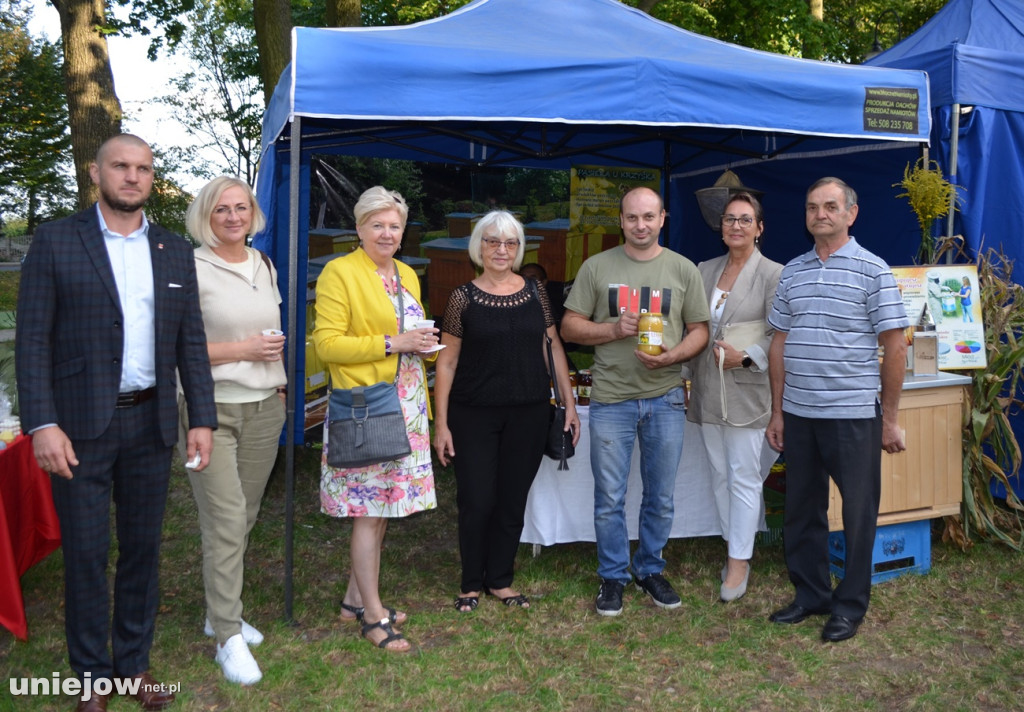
948, 296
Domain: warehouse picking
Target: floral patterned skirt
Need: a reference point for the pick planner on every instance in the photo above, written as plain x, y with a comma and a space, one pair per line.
388, 489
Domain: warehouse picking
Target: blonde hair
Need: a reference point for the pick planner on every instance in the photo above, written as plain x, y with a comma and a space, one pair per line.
378, 199
197, 217
503, 225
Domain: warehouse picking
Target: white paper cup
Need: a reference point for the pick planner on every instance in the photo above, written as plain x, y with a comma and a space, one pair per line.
272, 332
424, 324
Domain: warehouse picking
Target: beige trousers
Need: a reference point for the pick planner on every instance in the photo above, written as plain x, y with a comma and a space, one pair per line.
228, 495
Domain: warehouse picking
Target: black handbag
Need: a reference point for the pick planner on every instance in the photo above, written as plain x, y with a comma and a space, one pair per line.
559, 445
366, 423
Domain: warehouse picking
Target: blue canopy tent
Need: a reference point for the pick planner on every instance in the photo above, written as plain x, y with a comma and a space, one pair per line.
547, 84
973, 51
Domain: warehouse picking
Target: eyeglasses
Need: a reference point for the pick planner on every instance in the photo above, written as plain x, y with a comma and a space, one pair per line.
222, 211
493, 243
730, 220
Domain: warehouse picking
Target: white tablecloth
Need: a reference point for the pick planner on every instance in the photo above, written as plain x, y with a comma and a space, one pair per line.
560, 507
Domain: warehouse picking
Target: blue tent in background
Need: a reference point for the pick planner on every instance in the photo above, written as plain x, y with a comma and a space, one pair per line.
973, 51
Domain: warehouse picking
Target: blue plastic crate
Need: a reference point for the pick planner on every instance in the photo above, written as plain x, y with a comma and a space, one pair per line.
899, 549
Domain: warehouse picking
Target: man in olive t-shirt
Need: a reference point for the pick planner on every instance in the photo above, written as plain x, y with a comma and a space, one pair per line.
635, 393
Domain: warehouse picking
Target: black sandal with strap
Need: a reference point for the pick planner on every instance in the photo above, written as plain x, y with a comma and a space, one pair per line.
470, 602
385, 625
516, 601
359, 611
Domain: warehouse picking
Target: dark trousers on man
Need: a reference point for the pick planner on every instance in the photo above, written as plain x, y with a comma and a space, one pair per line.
850, 450
497, 453
131, 464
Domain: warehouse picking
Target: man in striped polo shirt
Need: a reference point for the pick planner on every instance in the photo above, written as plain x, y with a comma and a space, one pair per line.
834, 306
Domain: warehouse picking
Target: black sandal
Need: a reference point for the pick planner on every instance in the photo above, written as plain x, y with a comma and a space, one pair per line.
385, 625
517, 601
359, 611
470, 602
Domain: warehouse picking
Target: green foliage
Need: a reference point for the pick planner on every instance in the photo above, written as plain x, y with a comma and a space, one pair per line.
35, 146
406, 12
543, 186
219, 101
168, 201
786, 26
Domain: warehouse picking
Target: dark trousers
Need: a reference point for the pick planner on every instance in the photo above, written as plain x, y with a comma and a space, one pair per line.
850, 450
130, 463
497, 453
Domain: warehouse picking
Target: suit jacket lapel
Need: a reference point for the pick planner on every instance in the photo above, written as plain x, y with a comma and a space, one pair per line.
160, 277
95, 246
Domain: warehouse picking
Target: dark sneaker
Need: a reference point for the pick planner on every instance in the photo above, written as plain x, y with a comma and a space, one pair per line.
660, 590
609, 598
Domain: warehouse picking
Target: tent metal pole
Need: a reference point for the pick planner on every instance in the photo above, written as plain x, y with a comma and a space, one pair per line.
954, 145
295, 160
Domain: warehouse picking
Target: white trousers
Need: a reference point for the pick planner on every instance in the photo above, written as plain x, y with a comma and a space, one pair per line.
734, 455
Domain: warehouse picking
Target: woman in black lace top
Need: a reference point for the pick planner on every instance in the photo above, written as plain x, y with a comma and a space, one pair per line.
492, 395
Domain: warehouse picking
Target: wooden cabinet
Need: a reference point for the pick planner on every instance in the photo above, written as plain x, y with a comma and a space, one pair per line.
924, 481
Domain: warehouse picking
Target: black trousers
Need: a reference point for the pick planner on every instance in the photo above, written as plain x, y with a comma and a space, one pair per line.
130, 464
850, 450
497, 453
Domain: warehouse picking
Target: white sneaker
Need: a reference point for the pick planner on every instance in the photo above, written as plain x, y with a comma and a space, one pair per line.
251, 636
237, 662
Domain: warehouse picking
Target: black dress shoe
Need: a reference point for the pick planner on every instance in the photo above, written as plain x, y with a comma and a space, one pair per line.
794, 613
839, 628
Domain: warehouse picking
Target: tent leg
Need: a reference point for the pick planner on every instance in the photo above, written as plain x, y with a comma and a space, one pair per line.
954, 145
293, 389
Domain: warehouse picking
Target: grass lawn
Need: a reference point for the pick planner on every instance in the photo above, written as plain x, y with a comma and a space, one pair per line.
950, 640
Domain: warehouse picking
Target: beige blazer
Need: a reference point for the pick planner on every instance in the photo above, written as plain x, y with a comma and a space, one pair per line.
747, 391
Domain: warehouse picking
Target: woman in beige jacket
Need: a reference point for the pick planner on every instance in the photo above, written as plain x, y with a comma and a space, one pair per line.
730, 396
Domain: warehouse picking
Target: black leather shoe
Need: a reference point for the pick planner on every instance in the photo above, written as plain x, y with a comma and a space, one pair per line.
794, 613
839, 628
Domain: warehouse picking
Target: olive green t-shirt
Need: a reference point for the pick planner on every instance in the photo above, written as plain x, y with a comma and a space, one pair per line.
611, 282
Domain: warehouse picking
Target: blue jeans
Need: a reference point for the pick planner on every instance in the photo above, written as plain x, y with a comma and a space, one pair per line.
614, 428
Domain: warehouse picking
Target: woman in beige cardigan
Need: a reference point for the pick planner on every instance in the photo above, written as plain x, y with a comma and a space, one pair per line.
241, 313
730, 397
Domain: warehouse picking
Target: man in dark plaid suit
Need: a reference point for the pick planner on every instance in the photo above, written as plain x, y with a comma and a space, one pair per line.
108, 309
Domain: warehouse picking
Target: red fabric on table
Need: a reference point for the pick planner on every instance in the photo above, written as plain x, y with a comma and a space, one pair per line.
29, 530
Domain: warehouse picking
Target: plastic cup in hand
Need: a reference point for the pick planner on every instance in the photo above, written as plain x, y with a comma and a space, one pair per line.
424, 324
273, 332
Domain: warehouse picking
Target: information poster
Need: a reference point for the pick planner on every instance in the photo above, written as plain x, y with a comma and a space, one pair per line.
949, 293
594, 194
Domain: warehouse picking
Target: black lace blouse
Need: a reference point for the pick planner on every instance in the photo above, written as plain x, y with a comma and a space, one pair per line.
503, 360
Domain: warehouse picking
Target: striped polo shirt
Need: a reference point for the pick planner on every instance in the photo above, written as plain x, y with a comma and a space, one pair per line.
832, 313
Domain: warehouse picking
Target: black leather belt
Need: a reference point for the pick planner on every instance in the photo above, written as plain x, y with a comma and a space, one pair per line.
133, 398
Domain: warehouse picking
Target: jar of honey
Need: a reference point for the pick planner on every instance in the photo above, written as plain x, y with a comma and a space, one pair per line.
651, 329
583, 383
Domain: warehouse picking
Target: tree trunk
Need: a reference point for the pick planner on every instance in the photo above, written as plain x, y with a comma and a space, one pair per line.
344, 13
817, 9
94, 112
273, 22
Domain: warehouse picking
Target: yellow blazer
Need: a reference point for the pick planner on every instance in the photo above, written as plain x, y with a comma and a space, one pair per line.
353, 314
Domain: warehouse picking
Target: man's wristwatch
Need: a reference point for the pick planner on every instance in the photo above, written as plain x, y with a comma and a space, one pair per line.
747, 361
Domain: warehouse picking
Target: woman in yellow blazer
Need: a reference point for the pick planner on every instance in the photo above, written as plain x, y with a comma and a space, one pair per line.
357, 335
